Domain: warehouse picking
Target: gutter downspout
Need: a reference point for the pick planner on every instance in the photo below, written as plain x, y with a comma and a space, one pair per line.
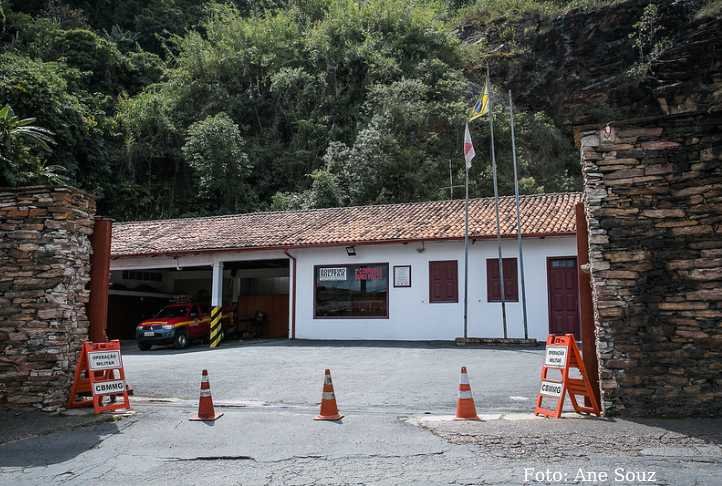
293, 294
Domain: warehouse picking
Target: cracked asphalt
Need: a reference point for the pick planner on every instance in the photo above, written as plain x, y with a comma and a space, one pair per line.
267, 435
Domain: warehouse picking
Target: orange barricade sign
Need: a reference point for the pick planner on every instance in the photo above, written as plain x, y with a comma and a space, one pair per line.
562, 354
99, 378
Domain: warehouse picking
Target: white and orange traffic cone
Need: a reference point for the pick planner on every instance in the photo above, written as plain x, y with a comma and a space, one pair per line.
465, 407
329, 410
206, 412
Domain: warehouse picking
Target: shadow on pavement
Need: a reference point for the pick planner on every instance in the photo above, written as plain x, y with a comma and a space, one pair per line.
33, 438
708, 430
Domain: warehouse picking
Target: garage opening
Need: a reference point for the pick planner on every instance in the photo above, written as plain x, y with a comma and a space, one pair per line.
260, 297
255, 297
136, 295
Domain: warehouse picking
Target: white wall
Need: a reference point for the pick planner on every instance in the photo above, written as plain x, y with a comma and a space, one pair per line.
411, 316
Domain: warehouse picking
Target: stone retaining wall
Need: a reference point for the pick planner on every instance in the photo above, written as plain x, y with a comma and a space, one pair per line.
45, 267
653, 197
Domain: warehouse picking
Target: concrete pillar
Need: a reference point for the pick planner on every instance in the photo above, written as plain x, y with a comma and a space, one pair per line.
216, 334
217, 288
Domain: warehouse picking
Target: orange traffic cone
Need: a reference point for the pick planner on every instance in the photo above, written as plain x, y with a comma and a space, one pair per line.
465, 408
329, 410
206, 412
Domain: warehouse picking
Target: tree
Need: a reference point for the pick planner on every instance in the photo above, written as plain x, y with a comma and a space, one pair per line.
382, 78
335, 102
214, 149
19, 139
52, 92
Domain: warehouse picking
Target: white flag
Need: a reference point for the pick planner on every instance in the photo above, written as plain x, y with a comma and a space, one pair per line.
469, 152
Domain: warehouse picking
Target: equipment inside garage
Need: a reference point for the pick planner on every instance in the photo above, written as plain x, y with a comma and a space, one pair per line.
255, 291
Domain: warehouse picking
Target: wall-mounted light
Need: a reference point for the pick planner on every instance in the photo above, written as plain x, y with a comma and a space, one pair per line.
177, 264
351, 250
421, 248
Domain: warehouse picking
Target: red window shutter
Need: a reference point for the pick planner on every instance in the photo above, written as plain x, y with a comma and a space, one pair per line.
510, 280
443, 281
435, 282
493, 289
493, 285
452, 282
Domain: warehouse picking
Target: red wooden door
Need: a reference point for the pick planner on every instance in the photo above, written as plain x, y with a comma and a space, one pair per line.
563, 295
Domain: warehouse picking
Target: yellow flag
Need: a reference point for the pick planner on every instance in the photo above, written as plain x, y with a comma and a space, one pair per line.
481, 107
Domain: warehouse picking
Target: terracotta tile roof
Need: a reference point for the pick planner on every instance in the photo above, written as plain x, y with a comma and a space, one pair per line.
542, 215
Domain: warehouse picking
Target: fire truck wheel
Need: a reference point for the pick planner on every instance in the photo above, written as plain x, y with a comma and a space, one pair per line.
180, 341
144, 346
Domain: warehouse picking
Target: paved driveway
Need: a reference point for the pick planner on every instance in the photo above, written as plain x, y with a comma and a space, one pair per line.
379, 376
384, 439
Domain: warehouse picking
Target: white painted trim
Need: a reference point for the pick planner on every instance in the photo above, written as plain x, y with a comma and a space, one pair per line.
192, 260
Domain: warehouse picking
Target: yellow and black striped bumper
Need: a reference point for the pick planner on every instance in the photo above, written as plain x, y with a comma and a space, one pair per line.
216, 327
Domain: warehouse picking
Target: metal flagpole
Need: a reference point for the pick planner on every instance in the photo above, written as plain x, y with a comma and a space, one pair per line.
466, 250
496, 204
518, 217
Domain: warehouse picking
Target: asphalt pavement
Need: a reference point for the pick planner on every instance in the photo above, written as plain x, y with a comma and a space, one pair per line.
382, 376
276, 446
396, 398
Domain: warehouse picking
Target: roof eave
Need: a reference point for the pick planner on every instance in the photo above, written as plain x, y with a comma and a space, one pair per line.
335, 244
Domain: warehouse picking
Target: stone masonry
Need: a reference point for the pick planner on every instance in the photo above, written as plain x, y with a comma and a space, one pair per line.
653, 197
44, 271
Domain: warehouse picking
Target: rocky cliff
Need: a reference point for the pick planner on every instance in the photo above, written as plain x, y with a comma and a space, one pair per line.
650, 130
577, 67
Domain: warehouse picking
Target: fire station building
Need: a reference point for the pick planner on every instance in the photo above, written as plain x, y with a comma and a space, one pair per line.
391, 271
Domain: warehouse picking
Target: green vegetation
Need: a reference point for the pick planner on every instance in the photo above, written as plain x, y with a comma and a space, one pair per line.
214, 150
187, 107
649, 41
18, 139
482, 12
710, 8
